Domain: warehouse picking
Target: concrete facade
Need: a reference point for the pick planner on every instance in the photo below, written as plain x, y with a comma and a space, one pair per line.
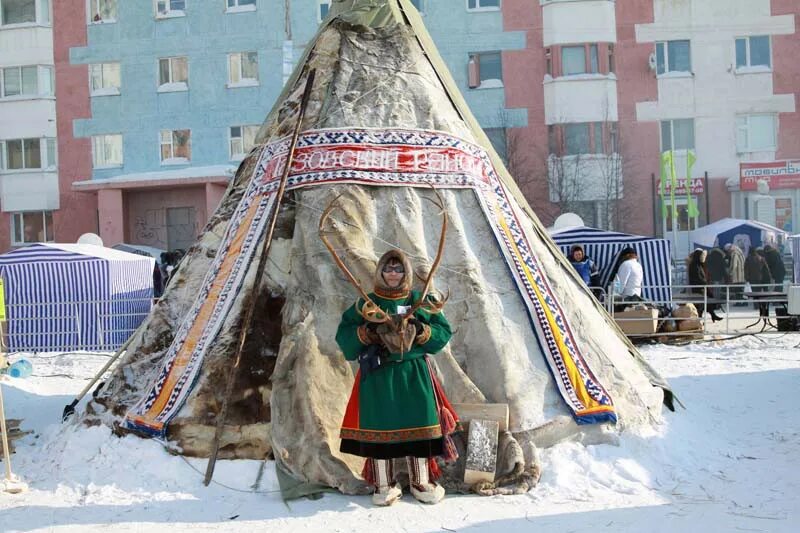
29, 188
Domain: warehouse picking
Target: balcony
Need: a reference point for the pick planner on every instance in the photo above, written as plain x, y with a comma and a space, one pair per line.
580, 98
29, 190
567, 22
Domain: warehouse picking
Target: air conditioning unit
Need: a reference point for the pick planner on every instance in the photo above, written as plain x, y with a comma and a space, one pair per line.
651, 61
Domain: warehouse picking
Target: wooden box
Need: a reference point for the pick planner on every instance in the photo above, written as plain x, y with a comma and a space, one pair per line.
637, 321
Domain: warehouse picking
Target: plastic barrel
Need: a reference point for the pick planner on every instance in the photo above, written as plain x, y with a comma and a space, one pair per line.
20, 369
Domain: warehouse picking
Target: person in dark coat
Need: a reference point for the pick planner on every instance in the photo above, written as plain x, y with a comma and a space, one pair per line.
775, 264
756, 273
715, 264
698, 280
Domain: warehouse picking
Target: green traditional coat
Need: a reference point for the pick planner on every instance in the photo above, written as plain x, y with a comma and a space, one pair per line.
392, 411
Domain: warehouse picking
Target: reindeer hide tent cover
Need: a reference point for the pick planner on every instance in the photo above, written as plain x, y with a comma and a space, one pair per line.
384, 122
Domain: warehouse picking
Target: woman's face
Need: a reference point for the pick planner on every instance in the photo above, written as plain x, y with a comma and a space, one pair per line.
578, 255
393, 273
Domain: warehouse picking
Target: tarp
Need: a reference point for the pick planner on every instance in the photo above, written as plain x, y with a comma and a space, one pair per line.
743, 233
63, 297
603, 247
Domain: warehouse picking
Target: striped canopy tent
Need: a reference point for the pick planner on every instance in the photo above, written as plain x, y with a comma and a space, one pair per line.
62, 297
604, 248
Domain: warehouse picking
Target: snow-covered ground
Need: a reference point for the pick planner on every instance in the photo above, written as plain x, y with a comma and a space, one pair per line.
728, 462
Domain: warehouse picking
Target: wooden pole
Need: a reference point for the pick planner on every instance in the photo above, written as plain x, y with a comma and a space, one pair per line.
11, 483
262, 262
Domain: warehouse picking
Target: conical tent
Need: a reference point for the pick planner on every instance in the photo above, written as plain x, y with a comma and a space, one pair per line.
384, 123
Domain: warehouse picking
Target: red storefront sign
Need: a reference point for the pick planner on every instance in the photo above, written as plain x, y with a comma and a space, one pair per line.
778, 174
698, 186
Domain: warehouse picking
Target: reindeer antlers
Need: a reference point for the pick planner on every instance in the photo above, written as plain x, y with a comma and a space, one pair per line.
370, 310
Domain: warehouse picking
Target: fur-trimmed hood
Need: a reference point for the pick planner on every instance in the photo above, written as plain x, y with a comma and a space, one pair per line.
405, 286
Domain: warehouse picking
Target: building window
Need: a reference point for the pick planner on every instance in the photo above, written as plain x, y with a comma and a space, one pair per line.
677, 134
685, 222
485, 70
582, 138
22, 154
170, 8
173, 74
324, 9
483, 5
577, 139
28, 154
673, 56
243, 69
241, 5
106, 151
176, 147
18, 12
242, 140
753, 52
105, 79
581, 59
28, 81
101, 11
756, 133
32, 226
19, 81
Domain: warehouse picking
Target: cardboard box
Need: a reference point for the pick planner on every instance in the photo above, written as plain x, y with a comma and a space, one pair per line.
638, 321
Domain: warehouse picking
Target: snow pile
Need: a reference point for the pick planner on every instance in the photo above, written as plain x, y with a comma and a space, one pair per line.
726, 463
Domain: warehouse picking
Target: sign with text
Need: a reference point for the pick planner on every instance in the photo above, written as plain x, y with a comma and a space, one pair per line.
697, 185
778, 174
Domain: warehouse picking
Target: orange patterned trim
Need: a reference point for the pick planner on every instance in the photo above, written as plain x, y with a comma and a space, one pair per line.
361, 331
425, 336
397, 435
389, 294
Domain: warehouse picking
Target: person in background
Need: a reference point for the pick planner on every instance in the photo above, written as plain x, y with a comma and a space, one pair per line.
698, 280
630, 276
583, 265
756, 273
158, 281
775, 264
736, 262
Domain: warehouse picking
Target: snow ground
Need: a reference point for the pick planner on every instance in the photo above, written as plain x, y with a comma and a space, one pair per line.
725, 463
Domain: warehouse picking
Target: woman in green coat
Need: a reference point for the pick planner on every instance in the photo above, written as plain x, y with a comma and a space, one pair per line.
397, 408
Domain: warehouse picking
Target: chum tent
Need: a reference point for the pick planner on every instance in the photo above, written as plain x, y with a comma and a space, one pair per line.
743, 233
604, 248
385, 122
62, 297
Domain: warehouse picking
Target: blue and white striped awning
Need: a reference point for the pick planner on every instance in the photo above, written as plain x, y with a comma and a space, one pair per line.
603, 247
62, 297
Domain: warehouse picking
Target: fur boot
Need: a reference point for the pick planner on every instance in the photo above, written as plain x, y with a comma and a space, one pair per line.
422, 488
386, 490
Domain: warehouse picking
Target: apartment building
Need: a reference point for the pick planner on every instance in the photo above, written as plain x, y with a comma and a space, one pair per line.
29, 188
713, 81
159, 100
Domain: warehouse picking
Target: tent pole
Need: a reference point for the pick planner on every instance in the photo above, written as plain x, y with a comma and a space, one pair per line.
262, 262
708, 198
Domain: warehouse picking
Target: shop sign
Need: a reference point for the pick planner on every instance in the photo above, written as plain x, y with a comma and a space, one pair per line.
778, 174
698, 186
